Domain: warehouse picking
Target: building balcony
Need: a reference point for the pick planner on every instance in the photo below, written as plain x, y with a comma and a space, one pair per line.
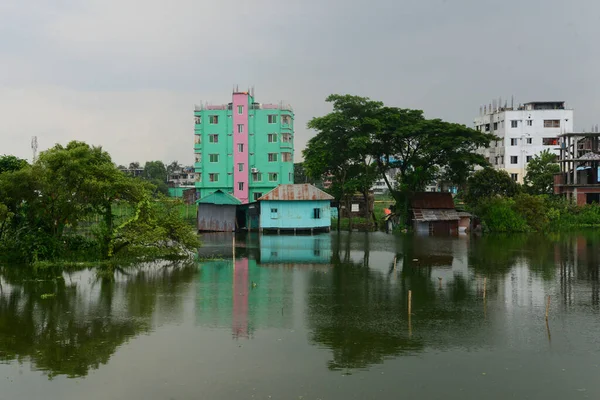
286, 145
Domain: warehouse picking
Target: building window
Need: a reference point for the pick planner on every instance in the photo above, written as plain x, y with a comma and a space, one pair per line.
198, 139
272, 137
240, 128
487, 127
528, 158
514, 141
257, 176
286, 137
272, 119
257, 195
550, 141
240, 147
529, 140
272, 157
552, 123
213, 119
515, 177
273, 213
529, 122
286, 119
198, 120
213, 177
286, 157
213, 138
514, 123
495, 126
240, 185
514, 159
316, 213
240, 110
240, 167
213, 158
273, 176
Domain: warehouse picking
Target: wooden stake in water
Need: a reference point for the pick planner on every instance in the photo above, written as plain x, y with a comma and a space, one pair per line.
547, 307
409, 313
394, 263
484, 287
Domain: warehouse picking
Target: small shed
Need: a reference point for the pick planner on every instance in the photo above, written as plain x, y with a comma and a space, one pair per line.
217, 212
434, 213
295, 207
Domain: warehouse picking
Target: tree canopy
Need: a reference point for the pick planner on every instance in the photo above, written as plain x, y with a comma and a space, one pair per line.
539, 177
362, 139
489, 183
48, 204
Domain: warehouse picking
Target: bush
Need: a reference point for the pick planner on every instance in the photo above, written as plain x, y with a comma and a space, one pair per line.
499, 215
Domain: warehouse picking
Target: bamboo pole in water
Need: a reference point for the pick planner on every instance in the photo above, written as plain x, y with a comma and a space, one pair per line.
394, 263
547, 308
409, 313
484, 287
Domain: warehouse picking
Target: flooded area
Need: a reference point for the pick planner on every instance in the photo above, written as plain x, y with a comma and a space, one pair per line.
314, 317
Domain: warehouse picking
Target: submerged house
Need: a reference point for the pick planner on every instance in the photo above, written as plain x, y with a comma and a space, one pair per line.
290, 207
217, 212
434, 213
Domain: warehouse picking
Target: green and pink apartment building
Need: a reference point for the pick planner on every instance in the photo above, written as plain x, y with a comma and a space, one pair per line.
244, 148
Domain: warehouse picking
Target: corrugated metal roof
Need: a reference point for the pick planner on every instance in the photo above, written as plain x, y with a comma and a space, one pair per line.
300, 191
435, 215
432, 200
219, 197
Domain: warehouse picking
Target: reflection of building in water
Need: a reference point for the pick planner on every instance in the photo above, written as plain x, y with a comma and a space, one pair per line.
245, 297
275, 249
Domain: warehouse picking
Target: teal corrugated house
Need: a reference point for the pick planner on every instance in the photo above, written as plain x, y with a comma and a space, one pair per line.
295, 207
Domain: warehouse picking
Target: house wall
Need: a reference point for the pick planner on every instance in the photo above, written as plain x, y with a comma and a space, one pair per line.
294, 214
216, 218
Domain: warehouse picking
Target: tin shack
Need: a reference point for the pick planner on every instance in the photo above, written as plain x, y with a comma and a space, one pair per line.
217, 212
434, 213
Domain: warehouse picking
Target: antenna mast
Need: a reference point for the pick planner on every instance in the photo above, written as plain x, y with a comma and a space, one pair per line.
34, 147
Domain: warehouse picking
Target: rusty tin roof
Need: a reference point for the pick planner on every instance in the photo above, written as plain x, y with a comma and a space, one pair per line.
432, 200
300, 191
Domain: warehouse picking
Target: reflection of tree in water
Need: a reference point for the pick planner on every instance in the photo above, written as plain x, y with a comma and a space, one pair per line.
360, 313
84, 323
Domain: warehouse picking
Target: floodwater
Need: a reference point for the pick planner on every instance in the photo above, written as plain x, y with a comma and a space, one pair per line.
314, 317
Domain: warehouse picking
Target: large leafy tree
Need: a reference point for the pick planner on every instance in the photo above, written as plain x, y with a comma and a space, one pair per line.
10, 163
342, 148
539, 177
423, 150
488, 183
65, 186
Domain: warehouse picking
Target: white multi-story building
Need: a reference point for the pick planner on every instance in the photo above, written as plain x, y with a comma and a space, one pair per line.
523, 132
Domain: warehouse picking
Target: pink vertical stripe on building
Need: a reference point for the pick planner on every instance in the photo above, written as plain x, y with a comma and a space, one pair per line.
240, 99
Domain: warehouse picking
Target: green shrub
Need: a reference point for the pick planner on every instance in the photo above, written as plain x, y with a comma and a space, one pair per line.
498, 214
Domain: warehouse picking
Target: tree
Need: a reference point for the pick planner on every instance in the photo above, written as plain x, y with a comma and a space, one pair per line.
539, 177
300, 174
11, 163
423, 150
341, 149
173, 167
156, 173
68, 185
489, 183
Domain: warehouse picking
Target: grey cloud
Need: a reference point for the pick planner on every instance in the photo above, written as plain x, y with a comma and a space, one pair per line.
126, 76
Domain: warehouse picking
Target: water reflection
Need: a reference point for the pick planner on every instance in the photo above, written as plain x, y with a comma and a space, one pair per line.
342, 298
71, 323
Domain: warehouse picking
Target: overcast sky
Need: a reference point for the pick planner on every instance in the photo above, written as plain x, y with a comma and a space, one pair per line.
125, 74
